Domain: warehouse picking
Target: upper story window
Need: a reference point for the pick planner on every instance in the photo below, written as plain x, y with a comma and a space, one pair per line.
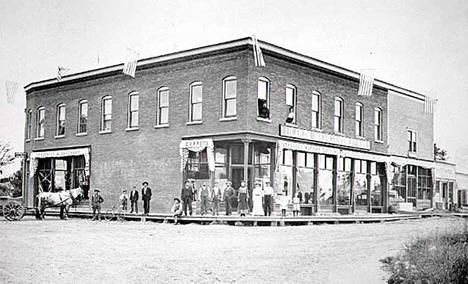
378, 124
412, 141
196, 102
40, 118
133, 110
230, 97
316, 106
82, 117
106, 113
162, 106
263, 95
339, 115
359, 120
291, 99
60, 120
28, 124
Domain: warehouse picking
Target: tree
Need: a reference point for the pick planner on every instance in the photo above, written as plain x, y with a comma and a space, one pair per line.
6, 156
440, 154
16, 180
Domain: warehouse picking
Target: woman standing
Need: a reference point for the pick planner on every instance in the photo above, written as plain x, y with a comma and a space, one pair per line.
257, 197
242, 197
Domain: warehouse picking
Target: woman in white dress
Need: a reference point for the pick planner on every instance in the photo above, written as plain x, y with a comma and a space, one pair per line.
257, 194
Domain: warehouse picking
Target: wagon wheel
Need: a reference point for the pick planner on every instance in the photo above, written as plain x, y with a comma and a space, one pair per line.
13, 211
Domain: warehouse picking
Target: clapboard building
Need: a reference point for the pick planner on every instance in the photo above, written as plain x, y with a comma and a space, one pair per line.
210, 114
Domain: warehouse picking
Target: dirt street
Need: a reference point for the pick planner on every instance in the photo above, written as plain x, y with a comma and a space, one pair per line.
82, 251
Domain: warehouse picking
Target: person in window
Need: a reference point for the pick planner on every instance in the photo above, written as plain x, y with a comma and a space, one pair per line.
146, 197
134, 200
187, 198
204, 198
242, 199
176, 210
263, 112
229, 194
291, 115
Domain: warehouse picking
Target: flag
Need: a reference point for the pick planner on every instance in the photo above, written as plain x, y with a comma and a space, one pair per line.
429, 104
60, 72
258, 55
10, 89
130, 65
366, 83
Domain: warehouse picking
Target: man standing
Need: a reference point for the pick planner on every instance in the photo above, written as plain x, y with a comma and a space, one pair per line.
134, 199
146, 196
204, 198
187, 197
268, 198
228, 196
215, 198
96, 201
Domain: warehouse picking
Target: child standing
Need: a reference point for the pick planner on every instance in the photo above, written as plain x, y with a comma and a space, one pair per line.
124, 200
296, 206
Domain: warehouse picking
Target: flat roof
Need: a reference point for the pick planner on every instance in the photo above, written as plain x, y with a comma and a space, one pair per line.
265, 46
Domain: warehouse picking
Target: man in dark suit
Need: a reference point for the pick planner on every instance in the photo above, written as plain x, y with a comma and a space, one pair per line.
146, 197
134, 199
187, 197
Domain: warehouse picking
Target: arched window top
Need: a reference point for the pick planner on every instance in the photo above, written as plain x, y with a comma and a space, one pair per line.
163, 88
230, 77
60, 105
339, 99
378, 109
196, 83
106, 98
291, 86
316, 93
133, 93
359, 104
40, 107
265, 79
83, 101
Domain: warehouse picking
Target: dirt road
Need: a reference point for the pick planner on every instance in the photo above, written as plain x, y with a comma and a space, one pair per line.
82, 251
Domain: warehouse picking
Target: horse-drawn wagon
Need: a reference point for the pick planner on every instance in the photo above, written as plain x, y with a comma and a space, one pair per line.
12, 208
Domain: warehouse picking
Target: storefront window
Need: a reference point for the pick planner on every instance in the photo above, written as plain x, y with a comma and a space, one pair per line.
197, 165
412, 188
262, 162
344, 181
377, 172
61, 180
305, 176
424, 183
325, 180
360, 183
398, 180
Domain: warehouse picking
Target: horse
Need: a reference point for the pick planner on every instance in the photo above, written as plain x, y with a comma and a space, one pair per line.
63, 199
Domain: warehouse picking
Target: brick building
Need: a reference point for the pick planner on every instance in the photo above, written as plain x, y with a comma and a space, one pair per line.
210, 115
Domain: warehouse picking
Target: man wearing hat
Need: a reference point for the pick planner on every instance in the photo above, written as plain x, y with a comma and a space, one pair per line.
176, 210
134, 200
268, 198
229, 194
187, 197
96, 201
146, 197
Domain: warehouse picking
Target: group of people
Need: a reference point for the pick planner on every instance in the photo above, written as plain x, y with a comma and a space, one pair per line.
134, 196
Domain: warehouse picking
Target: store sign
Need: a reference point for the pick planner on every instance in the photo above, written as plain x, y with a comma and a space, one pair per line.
21, 155
294, 132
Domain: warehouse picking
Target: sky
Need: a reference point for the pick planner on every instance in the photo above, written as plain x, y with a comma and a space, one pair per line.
421, 45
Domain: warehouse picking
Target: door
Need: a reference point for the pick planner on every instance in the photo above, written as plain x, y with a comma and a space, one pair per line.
237, 175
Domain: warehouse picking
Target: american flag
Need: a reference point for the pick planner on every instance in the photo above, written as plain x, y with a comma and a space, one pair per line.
258, 55
366, 83
429, 104
10, 89
60, 72
130, 65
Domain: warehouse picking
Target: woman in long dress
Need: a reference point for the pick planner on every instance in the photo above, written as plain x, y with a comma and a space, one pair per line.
242, 197
257, 196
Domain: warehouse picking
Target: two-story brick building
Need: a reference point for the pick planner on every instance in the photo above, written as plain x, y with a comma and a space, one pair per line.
210, 115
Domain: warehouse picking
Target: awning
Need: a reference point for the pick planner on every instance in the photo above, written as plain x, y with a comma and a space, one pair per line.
197, 145
33, 158
401, 161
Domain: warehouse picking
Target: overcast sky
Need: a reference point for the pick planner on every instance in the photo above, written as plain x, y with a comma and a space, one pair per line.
421, 45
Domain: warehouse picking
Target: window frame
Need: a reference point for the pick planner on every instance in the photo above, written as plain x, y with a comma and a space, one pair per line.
191, 103
159, 107
340, 129
294, 90
80, 110
412, 144
268, 93
359, 131
131, 111
58, 113
378, 125
28, 125
318, 112
225, 100
39, 123
103, 114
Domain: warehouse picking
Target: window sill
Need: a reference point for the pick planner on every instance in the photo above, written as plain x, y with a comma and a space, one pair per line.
361, 138
339, 133
81, 134
38, 138
264, 119
27, 140
161, 126
412, 154
291, 125
228, 118
379, 141
131, 129
194, 122
105, 131
317, 129
59, 136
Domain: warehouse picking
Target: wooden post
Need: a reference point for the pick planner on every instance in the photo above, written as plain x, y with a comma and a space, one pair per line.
334, 182
316, 177
369, 188
246, 159
352, 203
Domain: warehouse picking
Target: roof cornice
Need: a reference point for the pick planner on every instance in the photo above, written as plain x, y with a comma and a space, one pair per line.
268, 47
